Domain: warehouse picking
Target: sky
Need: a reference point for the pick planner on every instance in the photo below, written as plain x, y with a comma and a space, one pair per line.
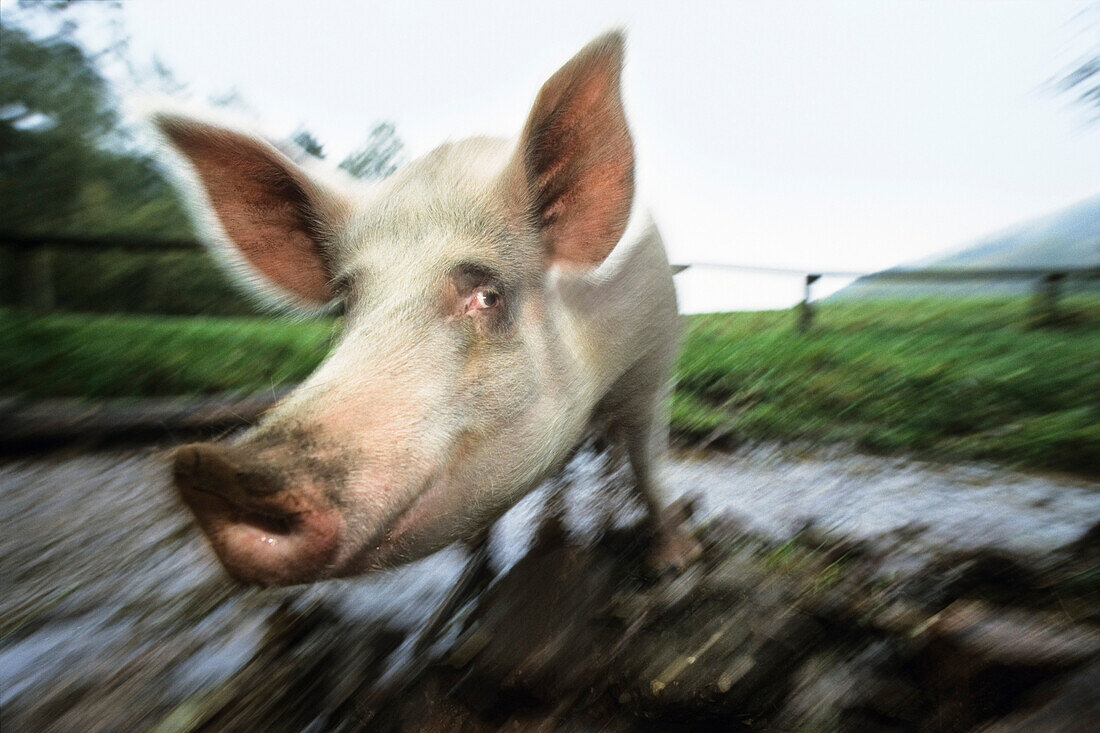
824, 135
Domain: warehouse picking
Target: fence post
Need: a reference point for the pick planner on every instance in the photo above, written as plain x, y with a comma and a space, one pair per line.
1048, 289
34, 273
805, 308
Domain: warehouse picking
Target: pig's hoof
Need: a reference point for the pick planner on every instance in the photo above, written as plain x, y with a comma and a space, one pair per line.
673, 550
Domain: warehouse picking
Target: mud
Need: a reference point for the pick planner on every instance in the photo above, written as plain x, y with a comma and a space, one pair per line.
804, 614
803, 635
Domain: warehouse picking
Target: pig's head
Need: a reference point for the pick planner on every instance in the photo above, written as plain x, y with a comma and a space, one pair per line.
451, 391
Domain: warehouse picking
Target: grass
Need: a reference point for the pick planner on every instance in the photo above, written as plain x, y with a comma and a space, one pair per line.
120, 356
955, 379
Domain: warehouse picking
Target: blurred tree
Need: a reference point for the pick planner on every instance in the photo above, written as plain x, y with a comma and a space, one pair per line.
1084, 78
379, 157
305, 140
65, 165
163, 78
70, 165
62, 4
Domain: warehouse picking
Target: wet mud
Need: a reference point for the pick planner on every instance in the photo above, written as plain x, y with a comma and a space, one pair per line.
798, 617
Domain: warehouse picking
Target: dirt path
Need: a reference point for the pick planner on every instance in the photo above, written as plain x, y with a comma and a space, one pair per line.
116, 617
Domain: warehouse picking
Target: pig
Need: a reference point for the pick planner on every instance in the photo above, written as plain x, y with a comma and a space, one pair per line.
502, 299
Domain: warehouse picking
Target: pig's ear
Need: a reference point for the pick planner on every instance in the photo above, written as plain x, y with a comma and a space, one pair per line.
576, 157
265, 215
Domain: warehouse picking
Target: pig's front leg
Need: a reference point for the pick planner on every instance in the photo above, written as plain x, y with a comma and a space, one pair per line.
634, 415
672, 547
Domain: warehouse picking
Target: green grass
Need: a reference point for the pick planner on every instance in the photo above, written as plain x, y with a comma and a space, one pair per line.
955, 379
118, 356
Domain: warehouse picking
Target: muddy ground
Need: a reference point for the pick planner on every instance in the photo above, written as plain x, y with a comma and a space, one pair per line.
115, 617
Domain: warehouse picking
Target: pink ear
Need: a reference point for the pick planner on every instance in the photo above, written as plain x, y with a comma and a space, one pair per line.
275, 216
577, 157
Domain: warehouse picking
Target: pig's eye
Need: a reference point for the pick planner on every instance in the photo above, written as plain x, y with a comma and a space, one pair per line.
486, 298
481, 294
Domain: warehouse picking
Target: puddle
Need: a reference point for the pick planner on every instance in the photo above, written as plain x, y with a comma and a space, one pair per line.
105, 577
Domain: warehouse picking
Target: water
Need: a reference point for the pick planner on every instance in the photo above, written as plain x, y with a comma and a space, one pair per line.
105, 579
871, 497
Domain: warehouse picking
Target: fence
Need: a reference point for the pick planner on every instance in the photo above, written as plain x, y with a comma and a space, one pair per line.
35, 282
1047, 283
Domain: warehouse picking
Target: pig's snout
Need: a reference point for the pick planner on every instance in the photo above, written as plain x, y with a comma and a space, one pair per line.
214, 467
265, 528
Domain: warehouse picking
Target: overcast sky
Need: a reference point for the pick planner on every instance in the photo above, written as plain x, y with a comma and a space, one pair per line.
834, 135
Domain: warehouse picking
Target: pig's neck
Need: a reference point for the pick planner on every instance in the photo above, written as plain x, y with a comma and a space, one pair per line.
616, 315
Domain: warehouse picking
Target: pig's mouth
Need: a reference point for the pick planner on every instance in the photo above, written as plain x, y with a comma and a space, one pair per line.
280, 538
388, 544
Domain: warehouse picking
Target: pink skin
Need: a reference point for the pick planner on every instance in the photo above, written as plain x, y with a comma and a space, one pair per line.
408, 534
487, 327
271, 523
268, 539
295, 535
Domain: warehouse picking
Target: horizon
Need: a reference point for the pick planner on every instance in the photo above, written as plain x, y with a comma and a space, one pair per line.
842, 136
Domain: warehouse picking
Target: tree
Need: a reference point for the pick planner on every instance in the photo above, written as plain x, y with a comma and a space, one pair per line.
1084, 78
379, 157
64, 164
1085, 81
305, 140
70, 165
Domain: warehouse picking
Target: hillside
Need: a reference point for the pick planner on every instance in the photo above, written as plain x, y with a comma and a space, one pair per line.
1068, 238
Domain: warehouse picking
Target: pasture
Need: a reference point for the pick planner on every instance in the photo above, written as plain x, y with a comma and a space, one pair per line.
952, 379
